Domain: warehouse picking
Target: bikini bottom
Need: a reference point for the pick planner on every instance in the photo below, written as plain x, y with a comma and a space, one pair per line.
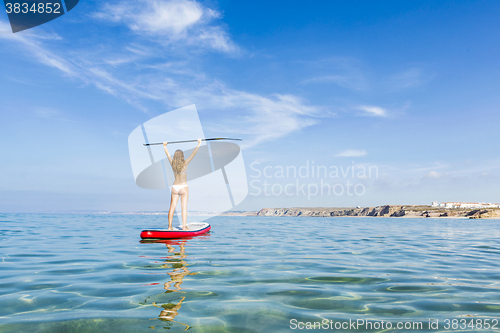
178, 187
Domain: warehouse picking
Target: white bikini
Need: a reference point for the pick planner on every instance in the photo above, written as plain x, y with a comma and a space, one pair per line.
179, 187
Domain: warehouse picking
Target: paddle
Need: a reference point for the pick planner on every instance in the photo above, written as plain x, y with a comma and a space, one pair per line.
170, 142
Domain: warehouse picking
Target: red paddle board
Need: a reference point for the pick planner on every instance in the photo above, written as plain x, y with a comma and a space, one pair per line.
195, 230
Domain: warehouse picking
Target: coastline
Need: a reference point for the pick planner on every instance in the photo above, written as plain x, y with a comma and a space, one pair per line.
385, 211
408, 211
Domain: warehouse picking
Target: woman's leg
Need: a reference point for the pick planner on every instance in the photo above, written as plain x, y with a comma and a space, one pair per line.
173, 203
184, 194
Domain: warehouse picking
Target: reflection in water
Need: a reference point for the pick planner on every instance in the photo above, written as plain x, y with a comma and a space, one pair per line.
170, 310
78, 274
180, 268
176, 260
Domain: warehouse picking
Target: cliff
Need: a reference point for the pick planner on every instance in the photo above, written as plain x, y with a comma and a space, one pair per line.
385, 211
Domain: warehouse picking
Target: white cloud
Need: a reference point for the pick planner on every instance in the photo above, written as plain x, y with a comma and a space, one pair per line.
342, 71
216, 38
341, 80
271, 117
352, 153
52, 114
47, 113
175, 84
372, 111
433, 174
260, 118
31, 43
174, 20
411, 77
172, 17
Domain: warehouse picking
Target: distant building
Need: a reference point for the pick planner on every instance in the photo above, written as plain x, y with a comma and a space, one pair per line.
465, 205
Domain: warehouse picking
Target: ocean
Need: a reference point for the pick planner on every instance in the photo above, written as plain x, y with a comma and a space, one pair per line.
91, 273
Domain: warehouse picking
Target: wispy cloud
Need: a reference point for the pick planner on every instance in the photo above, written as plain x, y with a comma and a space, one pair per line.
52, 114
129, 74
344, 81
342, 71
352, 153
170, 21
408, 78
374, 111
434, 175
261, 118
33, 44
271, 117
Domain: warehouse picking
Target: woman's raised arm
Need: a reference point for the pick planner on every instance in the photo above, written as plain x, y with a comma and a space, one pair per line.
194, 152
166, 151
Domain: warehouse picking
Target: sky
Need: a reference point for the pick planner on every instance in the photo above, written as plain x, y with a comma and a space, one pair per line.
405, 89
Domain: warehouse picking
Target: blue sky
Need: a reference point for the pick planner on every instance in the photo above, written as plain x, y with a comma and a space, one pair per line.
408, 87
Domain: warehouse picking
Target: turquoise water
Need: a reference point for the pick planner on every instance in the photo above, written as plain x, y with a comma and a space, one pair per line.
91, 273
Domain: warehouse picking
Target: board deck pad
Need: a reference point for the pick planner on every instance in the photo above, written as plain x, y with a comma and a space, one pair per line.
195, 230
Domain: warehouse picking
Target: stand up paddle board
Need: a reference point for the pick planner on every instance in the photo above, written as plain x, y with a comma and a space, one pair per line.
195, 230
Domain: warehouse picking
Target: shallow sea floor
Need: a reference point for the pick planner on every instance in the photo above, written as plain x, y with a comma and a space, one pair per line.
91, 273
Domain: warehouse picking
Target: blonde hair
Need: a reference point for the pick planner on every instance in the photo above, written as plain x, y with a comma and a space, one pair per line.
178, 161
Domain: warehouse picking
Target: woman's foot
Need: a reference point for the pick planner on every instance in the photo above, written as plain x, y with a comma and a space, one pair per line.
185, 228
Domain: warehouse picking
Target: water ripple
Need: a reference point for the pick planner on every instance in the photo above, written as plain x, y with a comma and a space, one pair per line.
77, 274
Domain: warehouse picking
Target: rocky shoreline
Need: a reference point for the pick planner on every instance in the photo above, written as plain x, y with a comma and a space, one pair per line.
384, 211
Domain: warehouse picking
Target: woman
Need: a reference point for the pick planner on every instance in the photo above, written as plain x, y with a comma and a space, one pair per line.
180, 186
